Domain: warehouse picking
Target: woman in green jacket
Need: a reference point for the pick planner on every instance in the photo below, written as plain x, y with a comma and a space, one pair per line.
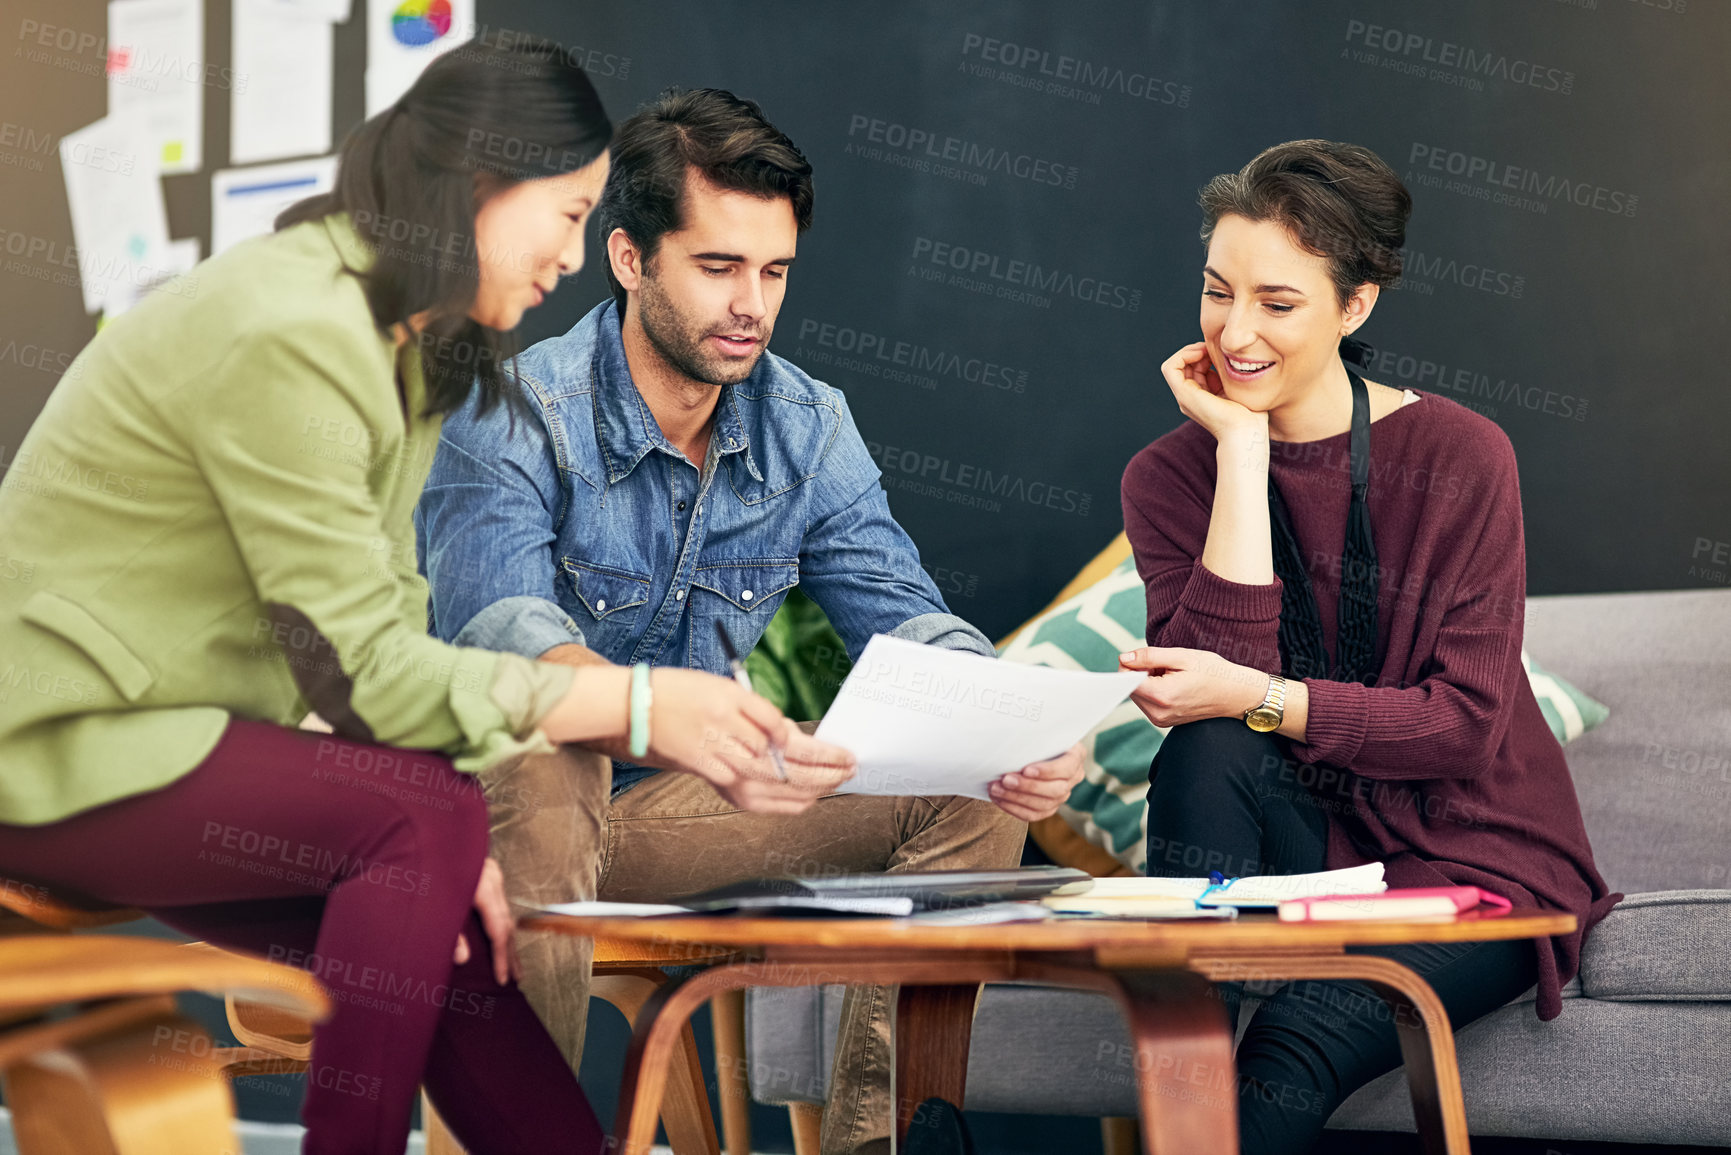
216, 507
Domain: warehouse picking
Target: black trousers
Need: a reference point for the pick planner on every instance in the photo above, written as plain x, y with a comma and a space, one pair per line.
1223, 797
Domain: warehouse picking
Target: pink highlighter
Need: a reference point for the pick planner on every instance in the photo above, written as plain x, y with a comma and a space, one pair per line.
1413, 902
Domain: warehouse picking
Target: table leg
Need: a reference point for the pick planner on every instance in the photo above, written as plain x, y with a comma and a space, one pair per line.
1185, 1077
1427, 1041
685, 1104
655, 1036
932, 1029
1427, 1044
655, 1042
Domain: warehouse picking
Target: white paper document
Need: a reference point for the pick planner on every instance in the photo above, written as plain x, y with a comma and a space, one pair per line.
925, 720
157, 68
282, 54
986, 914
593, 909
114, 195
404, 36
244, 202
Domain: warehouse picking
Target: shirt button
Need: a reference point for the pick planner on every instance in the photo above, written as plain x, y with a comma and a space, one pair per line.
601, 605
680, 507
678, 595
746, 596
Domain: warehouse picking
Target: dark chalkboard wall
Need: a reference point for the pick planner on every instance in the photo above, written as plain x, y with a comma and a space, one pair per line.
1005, 239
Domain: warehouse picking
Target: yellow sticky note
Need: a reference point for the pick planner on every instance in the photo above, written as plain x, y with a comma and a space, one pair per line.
171, 152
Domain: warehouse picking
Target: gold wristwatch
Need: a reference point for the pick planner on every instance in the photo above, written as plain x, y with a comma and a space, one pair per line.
1268, 716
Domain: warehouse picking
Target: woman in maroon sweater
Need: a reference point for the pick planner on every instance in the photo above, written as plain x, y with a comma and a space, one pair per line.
1337, 649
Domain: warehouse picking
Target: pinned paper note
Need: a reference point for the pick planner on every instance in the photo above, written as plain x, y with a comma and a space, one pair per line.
157, 69
178, 259
244, 202
114, 194
404, 36
283, 49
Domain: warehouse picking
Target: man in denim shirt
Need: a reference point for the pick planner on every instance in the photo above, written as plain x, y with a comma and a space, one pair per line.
584, 530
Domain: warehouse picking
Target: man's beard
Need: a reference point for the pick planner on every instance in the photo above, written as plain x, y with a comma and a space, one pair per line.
680, 339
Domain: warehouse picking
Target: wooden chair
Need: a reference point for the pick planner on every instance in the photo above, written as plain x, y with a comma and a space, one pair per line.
23, 900
276, 1038
117, 1070
625, 975
276, 1032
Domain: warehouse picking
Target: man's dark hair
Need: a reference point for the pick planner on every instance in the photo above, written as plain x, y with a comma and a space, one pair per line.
706, 132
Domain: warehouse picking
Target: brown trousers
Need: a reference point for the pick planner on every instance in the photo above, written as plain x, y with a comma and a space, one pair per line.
559, 839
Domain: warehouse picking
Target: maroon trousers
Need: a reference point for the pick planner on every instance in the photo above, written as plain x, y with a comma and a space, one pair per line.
357, 863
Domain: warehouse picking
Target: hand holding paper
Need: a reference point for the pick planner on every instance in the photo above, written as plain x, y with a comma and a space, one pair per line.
1037, 790
924, 720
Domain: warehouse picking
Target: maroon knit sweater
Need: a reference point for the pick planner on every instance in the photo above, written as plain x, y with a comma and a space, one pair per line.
1445, 769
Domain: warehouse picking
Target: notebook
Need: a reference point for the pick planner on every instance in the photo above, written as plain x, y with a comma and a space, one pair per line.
1410, 902
1159, 897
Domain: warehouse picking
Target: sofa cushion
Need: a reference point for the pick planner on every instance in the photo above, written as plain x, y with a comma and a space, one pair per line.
1654, 781
1638, 1073
1041, 1050
790, 1035
1667, 946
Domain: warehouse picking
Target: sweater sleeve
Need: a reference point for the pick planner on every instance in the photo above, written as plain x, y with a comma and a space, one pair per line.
1167, 509
1451, 724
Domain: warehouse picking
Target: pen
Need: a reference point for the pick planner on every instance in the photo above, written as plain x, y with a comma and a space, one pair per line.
739, 675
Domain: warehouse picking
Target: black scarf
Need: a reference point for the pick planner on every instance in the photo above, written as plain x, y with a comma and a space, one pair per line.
1302, 653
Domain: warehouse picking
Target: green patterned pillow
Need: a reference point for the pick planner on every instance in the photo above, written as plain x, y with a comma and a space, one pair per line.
1569, 711
1109, 807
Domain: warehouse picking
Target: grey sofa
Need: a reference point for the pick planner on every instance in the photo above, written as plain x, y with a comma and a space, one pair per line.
1642, 1050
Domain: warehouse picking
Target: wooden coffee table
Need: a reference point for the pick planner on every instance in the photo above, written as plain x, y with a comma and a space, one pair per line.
1160, 973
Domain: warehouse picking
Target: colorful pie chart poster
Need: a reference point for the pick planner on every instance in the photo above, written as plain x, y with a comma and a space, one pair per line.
403, 36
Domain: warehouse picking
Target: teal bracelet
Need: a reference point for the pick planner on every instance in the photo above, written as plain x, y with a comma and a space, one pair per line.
640, 698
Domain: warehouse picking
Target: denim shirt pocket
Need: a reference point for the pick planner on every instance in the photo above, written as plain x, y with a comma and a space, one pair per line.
742, 595
749, 585
610, 595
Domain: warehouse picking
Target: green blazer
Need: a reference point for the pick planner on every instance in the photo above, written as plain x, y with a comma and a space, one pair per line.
212, 518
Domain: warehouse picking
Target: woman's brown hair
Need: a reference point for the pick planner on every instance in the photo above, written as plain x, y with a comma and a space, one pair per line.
1340, 202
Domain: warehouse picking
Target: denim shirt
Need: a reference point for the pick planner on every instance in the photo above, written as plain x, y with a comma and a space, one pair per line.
589, 526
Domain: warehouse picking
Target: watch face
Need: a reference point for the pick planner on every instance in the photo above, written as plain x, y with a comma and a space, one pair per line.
1262, 720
